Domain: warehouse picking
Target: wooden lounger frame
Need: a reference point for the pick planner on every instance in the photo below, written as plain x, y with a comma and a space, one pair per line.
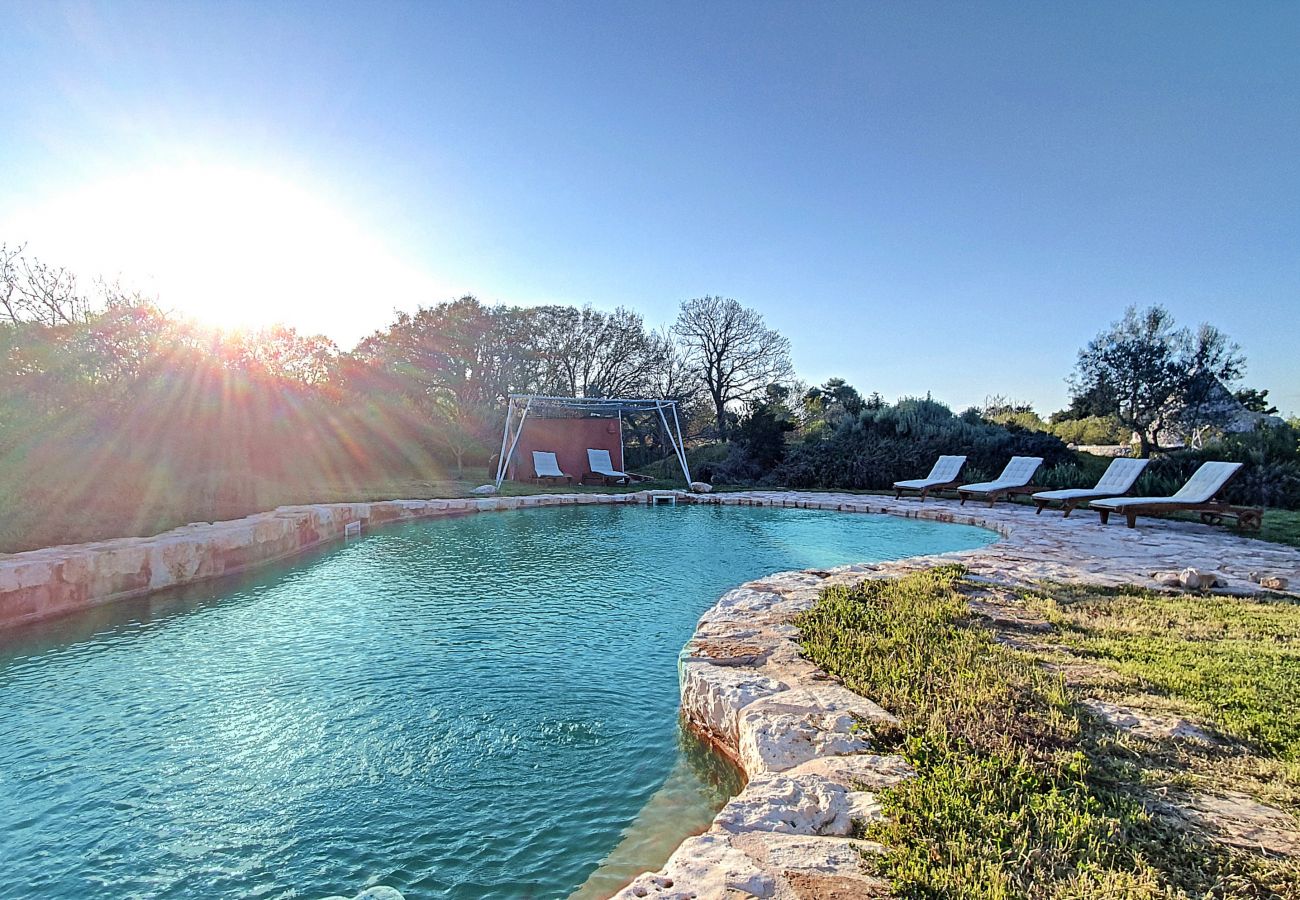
1212, 512
556, 479
601, 478
999, 493
943, 486
1070, 504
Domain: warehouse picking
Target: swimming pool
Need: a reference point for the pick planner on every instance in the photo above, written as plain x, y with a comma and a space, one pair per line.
466, 707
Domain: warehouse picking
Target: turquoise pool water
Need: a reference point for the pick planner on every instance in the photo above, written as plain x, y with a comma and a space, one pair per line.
470, 707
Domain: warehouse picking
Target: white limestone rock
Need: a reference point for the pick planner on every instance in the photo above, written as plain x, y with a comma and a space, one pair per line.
788, 804
1151, 725
1195, 579
713, 696
752, 607
864, 808
787, 582
706, 867
485, 489
867, 771
782, 731
805, 853
701, 487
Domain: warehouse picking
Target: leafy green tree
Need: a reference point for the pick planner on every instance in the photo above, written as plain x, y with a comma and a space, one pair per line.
1149, 373
763, 429
1002, 411
455, 363
1255, 401
1091, 430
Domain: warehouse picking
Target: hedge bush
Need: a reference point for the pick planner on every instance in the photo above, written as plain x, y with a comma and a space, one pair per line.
881, 446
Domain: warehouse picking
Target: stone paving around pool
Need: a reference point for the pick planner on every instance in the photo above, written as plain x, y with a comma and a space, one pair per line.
791, 728
744, 685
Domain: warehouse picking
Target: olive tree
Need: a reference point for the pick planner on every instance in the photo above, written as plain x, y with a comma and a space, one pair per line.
1152, 375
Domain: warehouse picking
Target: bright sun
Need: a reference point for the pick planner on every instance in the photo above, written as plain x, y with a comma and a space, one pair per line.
232, 247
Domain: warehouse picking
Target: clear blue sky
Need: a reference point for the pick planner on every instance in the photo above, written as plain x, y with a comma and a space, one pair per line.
924, 197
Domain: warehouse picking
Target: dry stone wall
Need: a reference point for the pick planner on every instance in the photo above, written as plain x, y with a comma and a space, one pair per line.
41, 584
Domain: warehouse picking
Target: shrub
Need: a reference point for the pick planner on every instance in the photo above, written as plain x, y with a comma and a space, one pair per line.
881, 446
1091, 430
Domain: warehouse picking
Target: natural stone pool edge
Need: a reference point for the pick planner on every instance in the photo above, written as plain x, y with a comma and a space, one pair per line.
55, 581
794, 731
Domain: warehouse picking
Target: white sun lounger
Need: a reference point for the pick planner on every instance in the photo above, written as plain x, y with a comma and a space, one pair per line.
943, 475
603, 467
545, 465
1117, 480
1013, 480
1199, 494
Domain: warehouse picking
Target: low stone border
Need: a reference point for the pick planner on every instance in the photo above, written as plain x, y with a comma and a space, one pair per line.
790, 727
40, 584
54, 581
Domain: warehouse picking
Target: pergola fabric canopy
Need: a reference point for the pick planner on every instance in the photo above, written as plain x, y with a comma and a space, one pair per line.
522, 405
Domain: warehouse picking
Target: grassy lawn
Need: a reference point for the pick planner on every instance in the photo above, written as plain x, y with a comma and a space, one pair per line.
1281, 526
1023, 793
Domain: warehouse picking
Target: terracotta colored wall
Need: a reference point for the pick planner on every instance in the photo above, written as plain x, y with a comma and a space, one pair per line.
569, 440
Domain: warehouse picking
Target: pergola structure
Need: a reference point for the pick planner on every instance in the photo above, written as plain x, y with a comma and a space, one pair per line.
522, 406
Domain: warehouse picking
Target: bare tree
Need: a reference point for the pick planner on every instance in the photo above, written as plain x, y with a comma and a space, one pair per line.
31, 291
35, 292
9, 281
674, 376
589, 353
737, 354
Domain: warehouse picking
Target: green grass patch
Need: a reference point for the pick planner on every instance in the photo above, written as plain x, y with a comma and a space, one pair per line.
1228, 660
1281, 526
1018, 793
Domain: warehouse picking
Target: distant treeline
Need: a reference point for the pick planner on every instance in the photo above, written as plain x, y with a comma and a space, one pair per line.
832, 437
119, 418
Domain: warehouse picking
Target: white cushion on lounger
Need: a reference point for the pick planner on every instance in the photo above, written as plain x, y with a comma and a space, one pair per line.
1117, 479
1017, 473
601, 464
546, 465
945, 470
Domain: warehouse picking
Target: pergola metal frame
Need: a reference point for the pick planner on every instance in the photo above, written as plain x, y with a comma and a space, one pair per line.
610, 406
